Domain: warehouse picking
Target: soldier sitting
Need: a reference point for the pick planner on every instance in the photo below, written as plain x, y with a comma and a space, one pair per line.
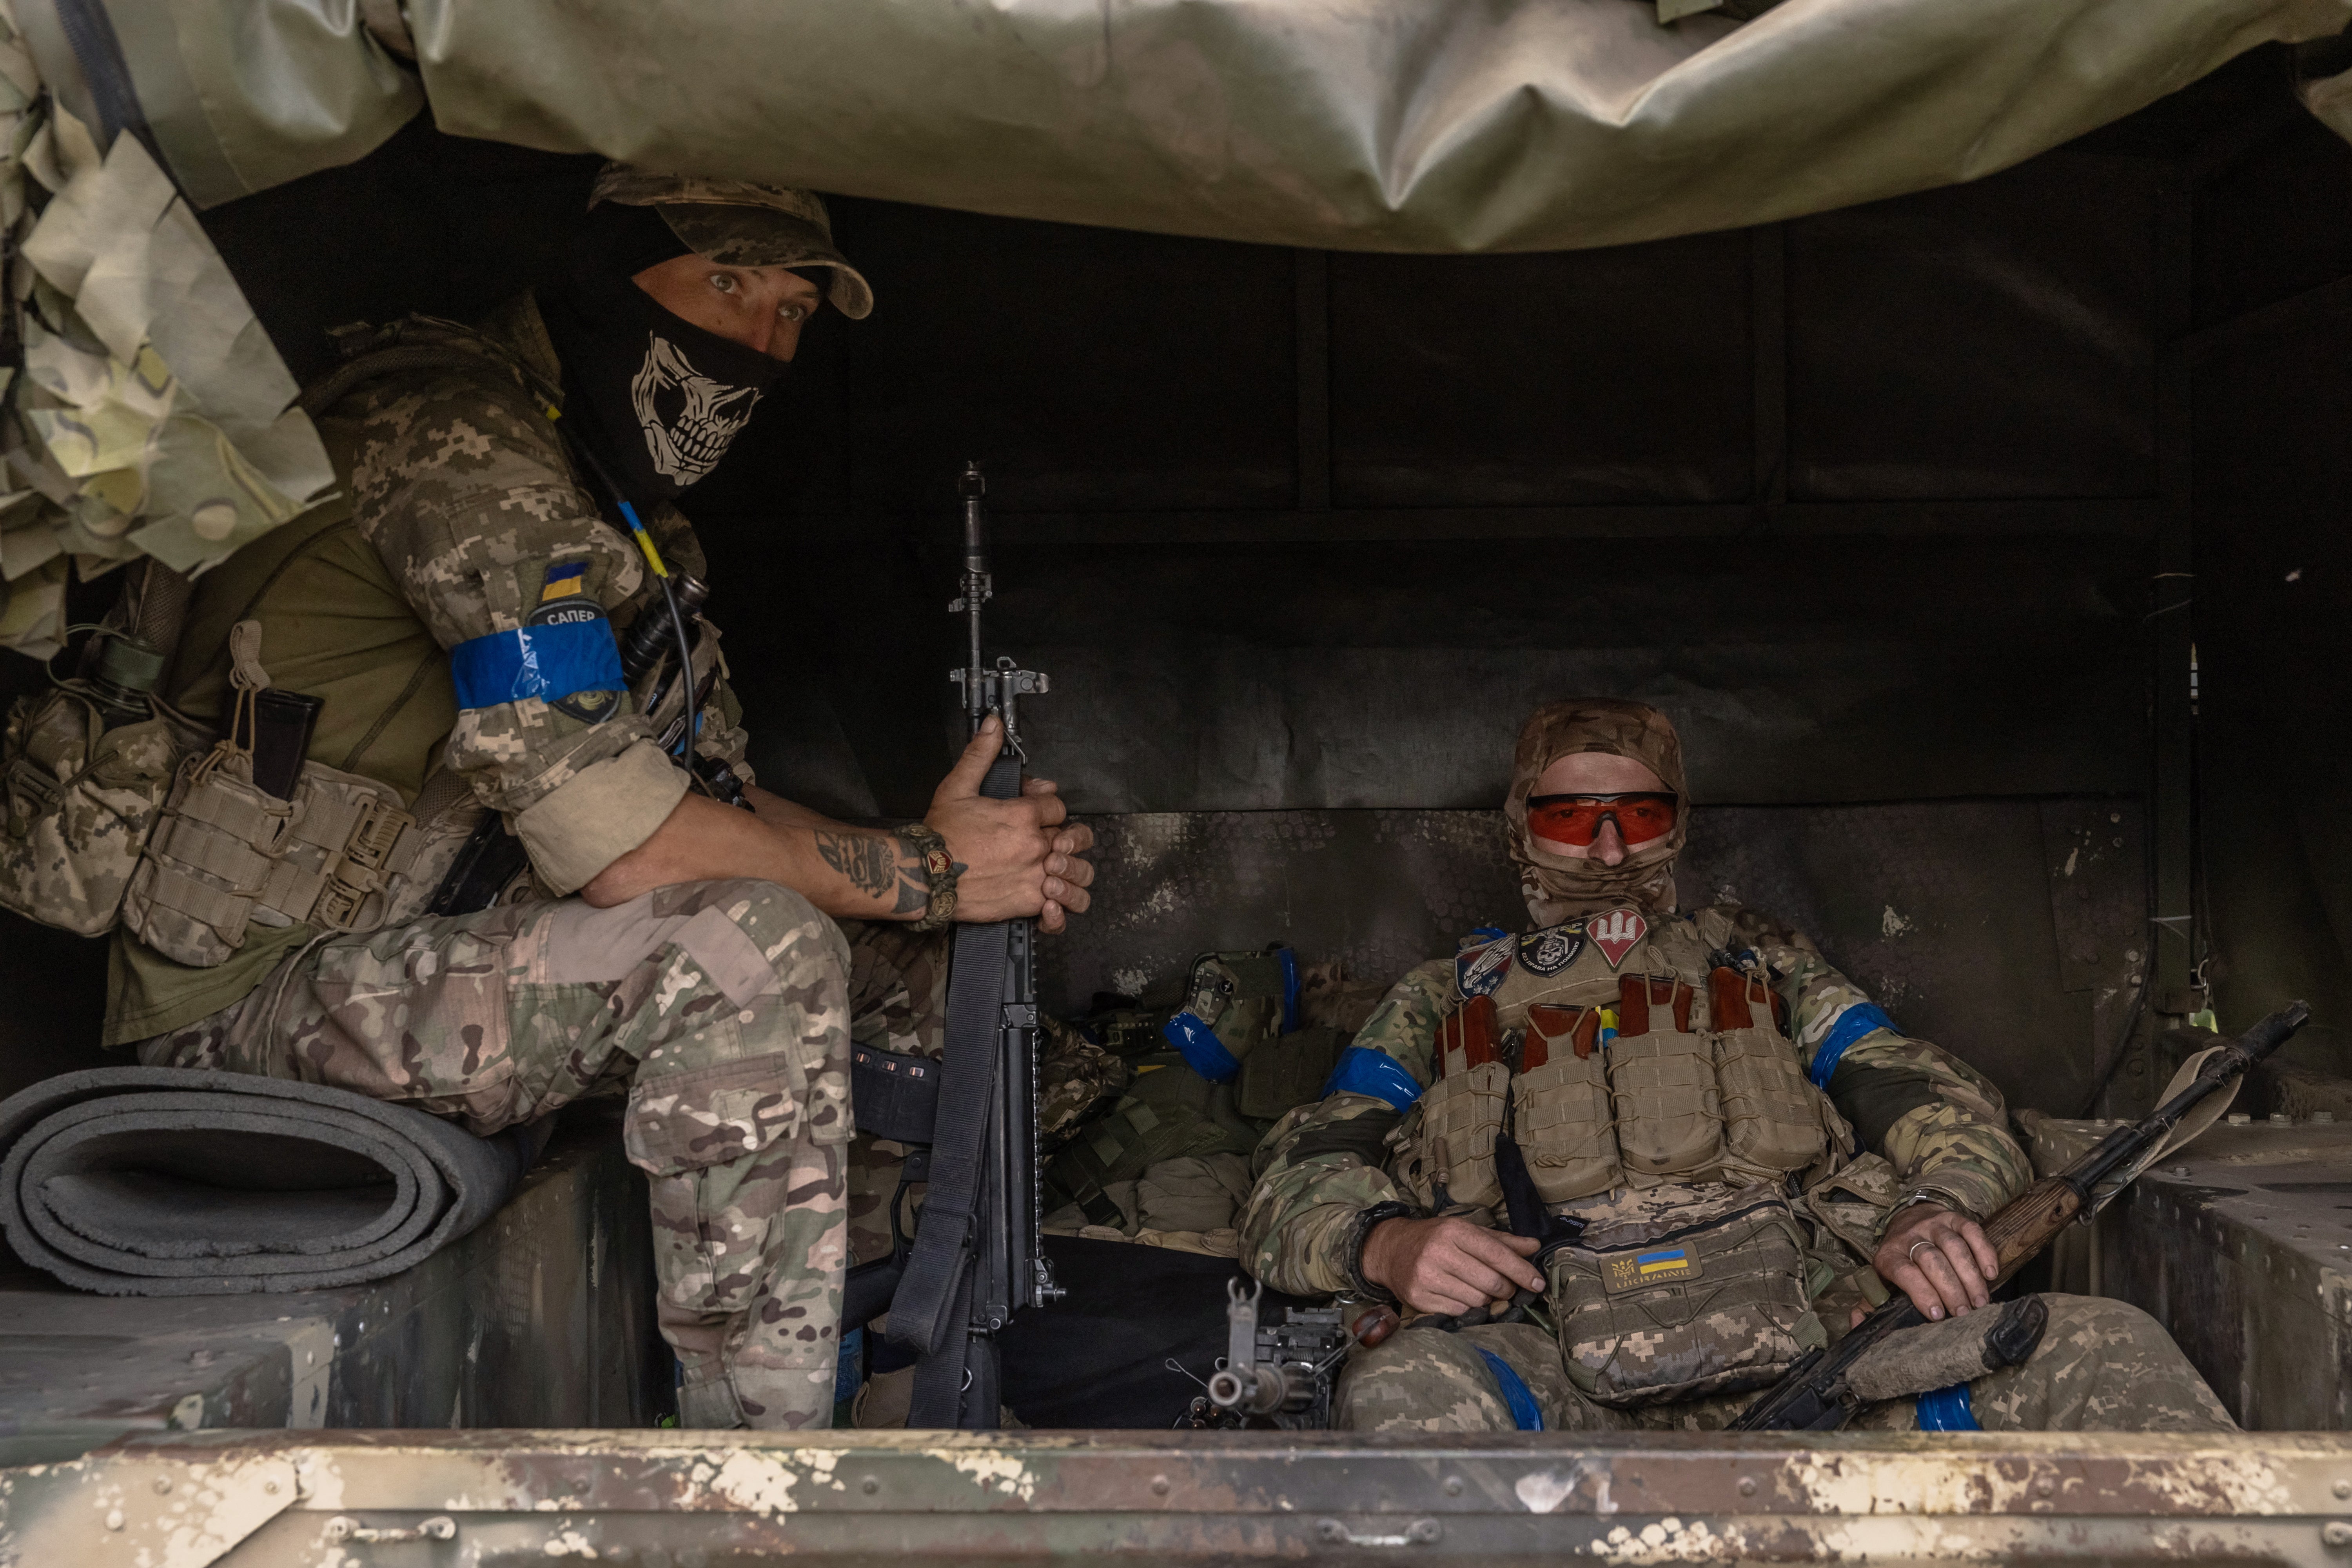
454, 606
1755, 1150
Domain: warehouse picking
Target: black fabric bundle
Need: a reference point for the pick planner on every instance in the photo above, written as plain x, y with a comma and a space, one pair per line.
1098, 1357
172, 1181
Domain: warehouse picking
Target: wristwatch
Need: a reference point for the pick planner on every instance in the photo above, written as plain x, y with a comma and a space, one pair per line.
1358, 1234
940, 872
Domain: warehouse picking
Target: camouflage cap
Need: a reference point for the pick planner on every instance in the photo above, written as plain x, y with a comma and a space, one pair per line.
739, 224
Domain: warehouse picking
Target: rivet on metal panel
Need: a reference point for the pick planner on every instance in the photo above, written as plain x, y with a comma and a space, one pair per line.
1160, 1486
114, 1518
1454, 1486
2343, 1489
870, 1485
1747, 1486
2335, 1532
163, 1484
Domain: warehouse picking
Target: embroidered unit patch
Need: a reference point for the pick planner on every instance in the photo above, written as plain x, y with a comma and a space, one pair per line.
1550, 952
565, 601
1479, 969
1615, 934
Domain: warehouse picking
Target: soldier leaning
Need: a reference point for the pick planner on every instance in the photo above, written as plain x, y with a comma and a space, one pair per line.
456, 610
1755, 1149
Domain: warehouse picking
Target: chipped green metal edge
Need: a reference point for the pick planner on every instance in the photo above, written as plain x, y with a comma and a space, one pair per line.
263, 1498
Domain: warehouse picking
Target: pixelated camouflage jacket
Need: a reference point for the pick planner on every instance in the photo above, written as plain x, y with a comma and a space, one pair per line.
459, 507
1940, 1124
461, 481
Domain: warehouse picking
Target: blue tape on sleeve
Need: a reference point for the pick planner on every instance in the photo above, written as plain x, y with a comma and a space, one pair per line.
1363, 1071
1947, 1410
1861, 1018
1524, 1413
1289, 989
1202, 1050
549, 662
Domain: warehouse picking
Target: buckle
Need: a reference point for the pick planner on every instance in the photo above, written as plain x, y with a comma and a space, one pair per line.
358, 872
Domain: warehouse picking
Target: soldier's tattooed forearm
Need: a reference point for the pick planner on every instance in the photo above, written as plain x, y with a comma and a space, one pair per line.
870, 861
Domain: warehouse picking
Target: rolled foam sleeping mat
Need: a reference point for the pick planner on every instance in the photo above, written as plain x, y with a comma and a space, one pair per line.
175, 1182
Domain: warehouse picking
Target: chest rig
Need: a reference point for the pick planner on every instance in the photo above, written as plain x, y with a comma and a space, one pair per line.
1653, 1089
1619, 1055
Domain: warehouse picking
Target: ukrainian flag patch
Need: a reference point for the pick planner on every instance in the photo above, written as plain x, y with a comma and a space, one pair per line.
565, 580
1658, 1265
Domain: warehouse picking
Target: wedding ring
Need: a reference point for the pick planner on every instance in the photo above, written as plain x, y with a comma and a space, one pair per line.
1913, 1253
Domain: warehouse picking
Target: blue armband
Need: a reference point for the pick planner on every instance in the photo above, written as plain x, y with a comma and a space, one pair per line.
1947, 1410
1861, 1018
1363, 1071
1203, 1052
551, 662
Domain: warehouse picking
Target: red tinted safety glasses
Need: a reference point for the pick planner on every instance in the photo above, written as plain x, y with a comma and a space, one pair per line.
1576, 820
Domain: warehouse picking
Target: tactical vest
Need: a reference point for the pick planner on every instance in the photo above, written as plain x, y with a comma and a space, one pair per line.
1619, 1055
1652, 1091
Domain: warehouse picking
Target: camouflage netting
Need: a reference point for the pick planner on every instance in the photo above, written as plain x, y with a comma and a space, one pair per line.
151, 414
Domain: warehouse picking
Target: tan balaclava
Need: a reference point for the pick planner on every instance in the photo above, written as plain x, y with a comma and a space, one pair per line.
1558, 888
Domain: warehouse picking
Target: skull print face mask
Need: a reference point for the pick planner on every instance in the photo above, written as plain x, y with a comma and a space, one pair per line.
662, 398
688, 419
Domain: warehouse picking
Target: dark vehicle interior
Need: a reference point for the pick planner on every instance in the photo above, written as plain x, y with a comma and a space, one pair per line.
1985, 544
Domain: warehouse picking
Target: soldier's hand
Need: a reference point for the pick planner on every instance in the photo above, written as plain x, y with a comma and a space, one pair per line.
1020, 858
1939, 1259
1448, 1265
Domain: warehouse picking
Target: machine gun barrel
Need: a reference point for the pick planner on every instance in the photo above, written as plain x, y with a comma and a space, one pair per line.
1813, 1396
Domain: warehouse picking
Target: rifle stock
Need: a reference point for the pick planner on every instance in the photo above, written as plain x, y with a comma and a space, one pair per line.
1813, 1396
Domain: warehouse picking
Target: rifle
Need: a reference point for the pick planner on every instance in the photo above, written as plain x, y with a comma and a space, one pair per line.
1815, 1395
976, 1258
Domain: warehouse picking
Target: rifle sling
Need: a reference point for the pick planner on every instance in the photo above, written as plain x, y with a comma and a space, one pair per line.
940, 1377
921, 1318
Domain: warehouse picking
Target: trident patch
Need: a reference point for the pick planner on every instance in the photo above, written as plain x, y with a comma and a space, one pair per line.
1615, 934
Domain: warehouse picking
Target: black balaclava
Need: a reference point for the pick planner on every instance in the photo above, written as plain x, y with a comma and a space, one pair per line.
656, 396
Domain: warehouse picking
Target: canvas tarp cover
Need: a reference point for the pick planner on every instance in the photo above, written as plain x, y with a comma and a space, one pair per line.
1432, 125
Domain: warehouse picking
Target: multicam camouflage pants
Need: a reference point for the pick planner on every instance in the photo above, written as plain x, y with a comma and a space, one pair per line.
725, 1008
2101, 1366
